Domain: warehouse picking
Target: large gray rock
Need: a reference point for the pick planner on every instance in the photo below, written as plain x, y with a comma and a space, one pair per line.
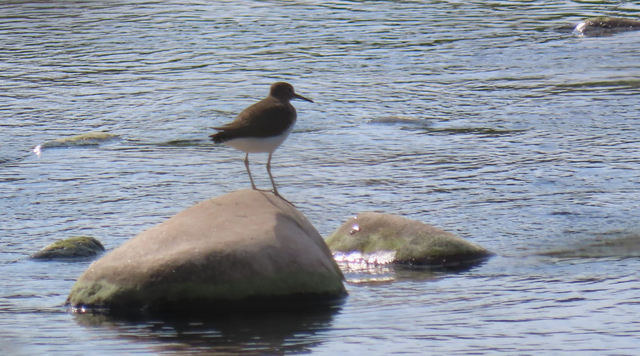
239, 250
374, 235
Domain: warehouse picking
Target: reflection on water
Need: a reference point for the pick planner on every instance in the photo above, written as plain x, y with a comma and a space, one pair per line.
244, 334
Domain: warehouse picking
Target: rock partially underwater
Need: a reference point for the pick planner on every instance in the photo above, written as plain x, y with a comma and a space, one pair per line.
400, 120
617, 247
84, 140
603, 26
243, 250
386, 238
79, 247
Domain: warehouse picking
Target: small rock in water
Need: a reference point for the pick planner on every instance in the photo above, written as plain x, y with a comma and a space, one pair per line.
602, 26
412, 242
88, 139
79, 247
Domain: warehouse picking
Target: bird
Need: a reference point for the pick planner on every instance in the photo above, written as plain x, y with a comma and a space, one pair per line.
262, 127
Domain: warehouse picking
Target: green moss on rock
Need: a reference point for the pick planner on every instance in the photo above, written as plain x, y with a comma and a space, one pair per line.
126, 297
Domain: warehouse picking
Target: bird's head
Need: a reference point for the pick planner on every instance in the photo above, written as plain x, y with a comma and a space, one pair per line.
284, 91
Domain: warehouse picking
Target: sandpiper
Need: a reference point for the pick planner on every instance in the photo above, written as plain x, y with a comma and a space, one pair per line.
262, 127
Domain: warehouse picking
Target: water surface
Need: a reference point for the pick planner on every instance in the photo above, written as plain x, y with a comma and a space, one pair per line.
525, 142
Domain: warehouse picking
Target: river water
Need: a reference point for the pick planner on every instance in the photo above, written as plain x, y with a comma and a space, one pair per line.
514, 135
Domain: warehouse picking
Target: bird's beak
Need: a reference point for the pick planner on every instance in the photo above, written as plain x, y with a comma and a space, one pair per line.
296, 96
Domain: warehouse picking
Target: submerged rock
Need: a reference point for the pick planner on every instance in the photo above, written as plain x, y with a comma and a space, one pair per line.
400, 120
237, 251
622, 247
87, 139
409, 241
602, 26
78, 247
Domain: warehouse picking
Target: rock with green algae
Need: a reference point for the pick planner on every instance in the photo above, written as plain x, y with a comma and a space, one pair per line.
236, 251
78, 247
87, 139
412, 242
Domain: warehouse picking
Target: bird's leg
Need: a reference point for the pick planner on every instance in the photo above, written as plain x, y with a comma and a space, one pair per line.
246, 164
275, 190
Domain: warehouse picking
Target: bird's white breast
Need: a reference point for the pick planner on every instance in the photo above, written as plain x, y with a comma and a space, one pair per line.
259, 144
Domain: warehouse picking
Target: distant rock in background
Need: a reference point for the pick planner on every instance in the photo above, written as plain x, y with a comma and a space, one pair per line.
391, 239
79, 247
603, 26
246, 250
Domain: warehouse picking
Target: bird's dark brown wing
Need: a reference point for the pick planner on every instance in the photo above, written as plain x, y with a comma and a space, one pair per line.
263, 119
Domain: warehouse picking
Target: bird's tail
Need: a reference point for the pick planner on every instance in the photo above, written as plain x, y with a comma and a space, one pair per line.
219, 137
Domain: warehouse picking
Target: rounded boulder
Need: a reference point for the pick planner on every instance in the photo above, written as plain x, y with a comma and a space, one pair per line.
238, 250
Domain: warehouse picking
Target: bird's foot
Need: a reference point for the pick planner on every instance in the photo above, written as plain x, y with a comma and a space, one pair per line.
274, 192
283, 198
